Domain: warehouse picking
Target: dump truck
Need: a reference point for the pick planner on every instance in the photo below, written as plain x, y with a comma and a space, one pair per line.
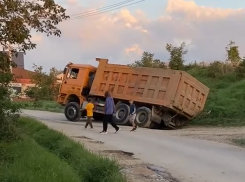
163, 97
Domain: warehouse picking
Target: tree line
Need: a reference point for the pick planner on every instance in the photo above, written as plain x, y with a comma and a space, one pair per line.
177, 53
46, 86
233, 63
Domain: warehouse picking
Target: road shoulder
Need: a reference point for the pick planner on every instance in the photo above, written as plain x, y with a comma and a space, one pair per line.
135, 169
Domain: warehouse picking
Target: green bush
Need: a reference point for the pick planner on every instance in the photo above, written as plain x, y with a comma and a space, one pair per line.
89, 167
16, 37
240, 142
224, 106
240, 70
8, 129
217, 69
27, 161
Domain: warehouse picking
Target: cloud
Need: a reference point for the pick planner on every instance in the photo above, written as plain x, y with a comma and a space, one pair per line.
37, 38
72, 2
121, 36
133, 51
192, 11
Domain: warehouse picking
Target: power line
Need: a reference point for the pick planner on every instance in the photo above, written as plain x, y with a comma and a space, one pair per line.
102, 8
110, 9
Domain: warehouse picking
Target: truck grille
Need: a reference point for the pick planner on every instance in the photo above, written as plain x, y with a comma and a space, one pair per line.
99, 108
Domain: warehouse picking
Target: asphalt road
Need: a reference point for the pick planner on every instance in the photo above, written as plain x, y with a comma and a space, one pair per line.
189, 160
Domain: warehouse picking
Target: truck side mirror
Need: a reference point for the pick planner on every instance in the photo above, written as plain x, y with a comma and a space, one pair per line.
64, 72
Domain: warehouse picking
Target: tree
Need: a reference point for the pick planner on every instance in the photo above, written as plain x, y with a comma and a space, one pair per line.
233, 55
240, 69
147, 60
46, 87
18, 19
176, 60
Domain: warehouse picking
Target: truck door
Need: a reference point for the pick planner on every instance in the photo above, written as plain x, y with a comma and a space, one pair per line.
70, 81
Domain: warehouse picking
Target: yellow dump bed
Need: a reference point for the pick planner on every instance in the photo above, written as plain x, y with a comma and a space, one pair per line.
165, 87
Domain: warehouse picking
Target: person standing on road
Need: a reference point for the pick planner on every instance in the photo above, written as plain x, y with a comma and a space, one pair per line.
109, 111
132, 115
89, 107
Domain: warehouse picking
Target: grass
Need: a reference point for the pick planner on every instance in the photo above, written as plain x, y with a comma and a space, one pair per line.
27, 161
43, 155
225, 101
51, 106
240, 142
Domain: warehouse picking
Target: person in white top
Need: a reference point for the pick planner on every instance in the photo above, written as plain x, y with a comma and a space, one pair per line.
132, 115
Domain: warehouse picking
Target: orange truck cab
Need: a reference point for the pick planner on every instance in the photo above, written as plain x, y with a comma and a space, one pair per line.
74, 91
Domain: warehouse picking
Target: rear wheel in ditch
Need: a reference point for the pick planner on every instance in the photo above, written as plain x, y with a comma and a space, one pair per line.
72, 111
172, 120
166, 117
121, 116
154, 125
179, 122
143, 117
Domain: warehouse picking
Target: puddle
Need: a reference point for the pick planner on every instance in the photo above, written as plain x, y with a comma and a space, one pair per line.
98, 142
82, 137
162, 172
149, 173
130, 154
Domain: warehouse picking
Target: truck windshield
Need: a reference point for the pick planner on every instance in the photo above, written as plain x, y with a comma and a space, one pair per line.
73, 73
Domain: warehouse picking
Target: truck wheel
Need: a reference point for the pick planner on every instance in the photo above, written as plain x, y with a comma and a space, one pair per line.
122, 114
154, 125
143, 117
72, 111
98, 116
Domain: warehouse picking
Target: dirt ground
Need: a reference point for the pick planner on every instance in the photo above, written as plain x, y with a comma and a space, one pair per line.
137, 171
133, 168
223, 135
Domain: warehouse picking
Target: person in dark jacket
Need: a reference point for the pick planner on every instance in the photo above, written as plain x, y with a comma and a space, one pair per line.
109, 111
132, 115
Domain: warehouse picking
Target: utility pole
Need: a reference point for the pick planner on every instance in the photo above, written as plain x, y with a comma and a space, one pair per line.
10, 57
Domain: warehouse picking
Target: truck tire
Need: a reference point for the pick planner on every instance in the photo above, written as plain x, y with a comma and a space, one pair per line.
154, 125
121, 116
98, 116
72, 111
143, 117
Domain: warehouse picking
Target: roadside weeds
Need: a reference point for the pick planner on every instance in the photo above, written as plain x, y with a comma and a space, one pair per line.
51, 106
135, 169
26, 161
239, 141
43, 154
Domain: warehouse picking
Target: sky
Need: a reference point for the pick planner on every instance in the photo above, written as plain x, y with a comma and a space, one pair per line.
123, 34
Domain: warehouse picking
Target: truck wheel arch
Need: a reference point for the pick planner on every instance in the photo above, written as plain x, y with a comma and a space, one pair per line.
72, 98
